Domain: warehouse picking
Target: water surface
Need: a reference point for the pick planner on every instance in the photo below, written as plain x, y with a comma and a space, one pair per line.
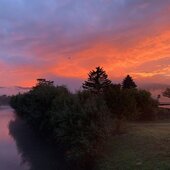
21, 149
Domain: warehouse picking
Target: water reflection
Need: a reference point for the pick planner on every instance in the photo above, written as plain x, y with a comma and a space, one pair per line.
34, 153
9, 158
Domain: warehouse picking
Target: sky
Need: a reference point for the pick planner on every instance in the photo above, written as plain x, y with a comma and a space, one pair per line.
62, 40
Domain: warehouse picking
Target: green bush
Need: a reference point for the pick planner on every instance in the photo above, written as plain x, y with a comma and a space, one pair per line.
147, 106
133, 104
121, 102
80, 123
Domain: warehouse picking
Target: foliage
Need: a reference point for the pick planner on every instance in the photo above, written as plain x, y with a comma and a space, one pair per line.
133, 104
97, 80
128, 83
166, 93
75, 121
81, 122
35, 105
44, 82
147, 106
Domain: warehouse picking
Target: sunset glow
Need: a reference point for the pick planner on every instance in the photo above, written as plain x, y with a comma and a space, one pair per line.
63, 40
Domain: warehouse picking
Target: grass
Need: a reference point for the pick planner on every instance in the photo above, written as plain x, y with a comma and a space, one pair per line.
145, 147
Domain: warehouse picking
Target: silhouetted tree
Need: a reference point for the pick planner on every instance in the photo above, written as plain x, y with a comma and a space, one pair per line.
128, 83
166, 93
97, 81
44, 82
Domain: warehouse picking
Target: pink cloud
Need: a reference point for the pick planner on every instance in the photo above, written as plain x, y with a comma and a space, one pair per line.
67, 40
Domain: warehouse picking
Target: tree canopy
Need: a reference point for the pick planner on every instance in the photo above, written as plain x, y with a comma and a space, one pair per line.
44, 82
80, 123
97, 80
128, 83
166, 93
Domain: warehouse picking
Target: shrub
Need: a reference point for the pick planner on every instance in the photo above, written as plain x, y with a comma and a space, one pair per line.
147, 106
79, 122
133, 104
121, 102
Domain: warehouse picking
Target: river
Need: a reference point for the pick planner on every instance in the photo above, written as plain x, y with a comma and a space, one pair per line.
21, 149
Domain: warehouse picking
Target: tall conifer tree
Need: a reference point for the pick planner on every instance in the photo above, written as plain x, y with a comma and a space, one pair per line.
128, 83
97, 80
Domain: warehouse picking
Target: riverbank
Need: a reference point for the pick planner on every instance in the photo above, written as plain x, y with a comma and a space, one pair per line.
144, 147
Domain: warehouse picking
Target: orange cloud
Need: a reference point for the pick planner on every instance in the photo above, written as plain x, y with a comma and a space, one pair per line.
124, 37
116, 60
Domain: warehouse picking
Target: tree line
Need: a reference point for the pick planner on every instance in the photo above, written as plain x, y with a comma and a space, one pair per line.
80, 123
